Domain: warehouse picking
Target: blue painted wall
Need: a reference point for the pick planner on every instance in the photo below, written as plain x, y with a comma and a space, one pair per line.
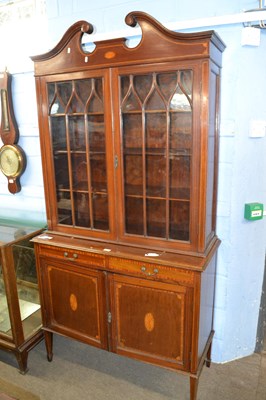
242, 166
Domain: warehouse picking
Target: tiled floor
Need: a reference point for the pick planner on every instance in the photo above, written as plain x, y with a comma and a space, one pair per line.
81, 372
240, 379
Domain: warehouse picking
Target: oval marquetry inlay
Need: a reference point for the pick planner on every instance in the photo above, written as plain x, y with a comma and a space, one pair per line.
149, 322
109, 54
73, 302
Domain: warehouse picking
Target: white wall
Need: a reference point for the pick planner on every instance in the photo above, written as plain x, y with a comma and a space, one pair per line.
242, 179
19, 39
242, 164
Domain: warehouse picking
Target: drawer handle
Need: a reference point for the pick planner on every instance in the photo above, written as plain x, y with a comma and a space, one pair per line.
75, 256
147, 273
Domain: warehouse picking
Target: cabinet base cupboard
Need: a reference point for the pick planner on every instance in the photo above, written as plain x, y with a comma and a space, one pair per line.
129, 141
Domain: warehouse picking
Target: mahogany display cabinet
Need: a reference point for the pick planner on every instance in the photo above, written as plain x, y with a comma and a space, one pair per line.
20, 314
129, 140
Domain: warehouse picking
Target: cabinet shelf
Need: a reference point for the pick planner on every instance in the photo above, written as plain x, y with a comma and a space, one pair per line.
182, 194
163, 110
83, 152
93, 192
82, 188
156, 151
77, 114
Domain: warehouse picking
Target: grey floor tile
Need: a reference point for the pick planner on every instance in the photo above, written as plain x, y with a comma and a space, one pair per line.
78, 369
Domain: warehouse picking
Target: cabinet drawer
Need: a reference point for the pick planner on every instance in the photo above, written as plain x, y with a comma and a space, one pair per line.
151, 270
72, 255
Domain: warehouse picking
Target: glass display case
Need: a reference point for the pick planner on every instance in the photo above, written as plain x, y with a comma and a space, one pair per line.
20, 314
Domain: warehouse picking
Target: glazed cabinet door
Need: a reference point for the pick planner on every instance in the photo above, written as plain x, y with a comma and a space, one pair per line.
151, 321
74, 302
157, 110
76, 139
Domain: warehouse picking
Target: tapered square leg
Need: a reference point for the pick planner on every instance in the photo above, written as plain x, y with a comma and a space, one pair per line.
48, 337
22, 359
193, 387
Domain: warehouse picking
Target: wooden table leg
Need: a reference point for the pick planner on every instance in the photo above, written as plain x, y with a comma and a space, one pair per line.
193, 387
22, 359
48, 337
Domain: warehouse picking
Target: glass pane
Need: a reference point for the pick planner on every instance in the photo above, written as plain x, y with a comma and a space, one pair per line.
167, 83
179, 220
64, 92
133, 174
27, 286
77, 133
5, 325
61, 171
64, 207
131, 103
124, 86
212, 148
180, 101
79, 172
186, 81
51, 94
98, 173
180, 131
95, 104
156, 218
132, 130
134, 215
55, 104
83, 89
130, 99
143, 85
210, 183
156, 182
58, 131
96, 133
156, 129
75, 105
100, 212
180, 177
58, 96
81, 205
98, 84
10, 231
95, 98
155, 101
182, 97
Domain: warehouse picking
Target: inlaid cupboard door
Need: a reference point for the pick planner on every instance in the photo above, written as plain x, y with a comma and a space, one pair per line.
73, 302
151, 320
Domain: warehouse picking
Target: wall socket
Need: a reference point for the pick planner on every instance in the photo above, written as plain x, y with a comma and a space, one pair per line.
257, 129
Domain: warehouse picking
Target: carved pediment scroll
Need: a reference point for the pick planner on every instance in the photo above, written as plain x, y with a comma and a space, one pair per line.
157, 43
